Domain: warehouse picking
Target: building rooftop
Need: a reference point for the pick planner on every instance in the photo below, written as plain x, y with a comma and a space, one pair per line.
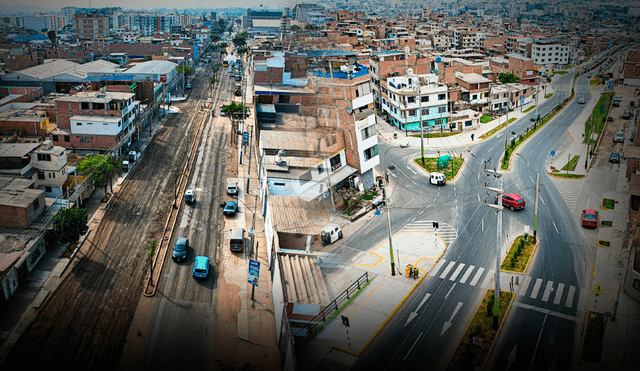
152, 67
20, 198
17, 149
96, 96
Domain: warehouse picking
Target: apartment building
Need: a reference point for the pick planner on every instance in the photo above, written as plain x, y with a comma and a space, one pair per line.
547, 53
516, 64
87, 26
474, 88
410, 99
93, 121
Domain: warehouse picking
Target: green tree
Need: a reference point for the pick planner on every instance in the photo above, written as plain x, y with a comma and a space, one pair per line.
295, 28
185, 70
99, 169
70, 224
240, 39
52, 36
223, 45
234, 112
214, 37
507, 78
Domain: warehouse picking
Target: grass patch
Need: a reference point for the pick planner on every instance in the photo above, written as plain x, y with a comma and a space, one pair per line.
595, 81
486, 118
571, 165
548, 95
608, 204
606, 223
603, 243
369, 195
476, 342
599, 119
431, 165
489, 133
436, 135
593, 333
568, 66
560, 72
529, 109
557, 174
519, 254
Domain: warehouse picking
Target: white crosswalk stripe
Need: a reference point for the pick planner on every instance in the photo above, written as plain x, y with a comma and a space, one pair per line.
569, 190
444, 230
452, 271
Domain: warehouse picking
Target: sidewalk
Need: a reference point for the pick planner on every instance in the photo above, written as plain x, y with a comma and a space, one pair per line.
387, 130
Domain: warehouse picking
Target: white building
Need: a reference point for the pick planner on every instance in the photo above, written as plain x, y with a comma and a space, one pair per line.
550, 52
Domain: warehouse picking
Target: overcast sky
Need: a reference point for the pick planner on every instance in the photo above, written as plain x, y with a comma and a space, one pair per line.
142, 4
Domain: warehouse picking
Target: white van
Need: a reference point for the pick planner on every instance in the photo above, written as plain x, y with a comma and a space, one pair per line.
437, 179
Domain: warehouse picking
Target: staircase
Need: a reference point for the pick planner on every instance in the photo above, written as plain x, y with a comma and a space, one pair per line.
304, 281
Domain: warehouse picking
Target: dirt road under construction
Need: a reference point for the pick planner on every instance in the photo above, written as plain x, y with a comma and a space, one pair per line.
84, 323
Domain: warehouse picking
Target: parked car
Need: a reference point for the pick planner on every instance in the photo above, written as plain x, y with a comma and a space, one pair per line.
201, 267
589, 218
512, 201
619, 137
626, 114
581, 100
188, 86
232, 188
189, 196
615, 157
231, 208
181, 249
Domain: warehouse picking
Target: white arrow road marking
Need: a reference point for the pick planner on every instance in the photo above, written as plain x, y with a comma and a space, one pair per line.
512, 357
448, 323
413, 314
411, 170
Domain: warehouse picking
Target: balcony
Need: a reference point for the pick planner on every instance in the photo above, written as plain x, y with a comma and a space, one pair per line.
364, 114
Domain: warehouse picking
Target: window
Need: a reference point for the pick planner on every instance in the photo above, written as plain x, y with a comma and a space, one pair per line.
67, 138
47, 189
335, 162
36, 204
442, 109
55, 137
84, 139
411, 99
412, 112
52, 175
279, 184
425, 112
78, 123
442, 96
424, 99
320, 169
369, 153
468, 123
41, 175
84, 105
44, 157
368, 132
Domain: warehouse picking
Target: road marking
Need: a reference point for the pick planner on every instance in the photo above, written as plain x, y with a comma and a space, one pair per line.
487, 278
451, 289
447, 269
448, 323
541, 199
546, 311
372, 228
408, 177
411, 170
547, 291
477, 276
467, 274
457, 272
414, 344
558, 297
570, 294
438, 266
554, 225
536, 288
525, 286
405, 205
414, 314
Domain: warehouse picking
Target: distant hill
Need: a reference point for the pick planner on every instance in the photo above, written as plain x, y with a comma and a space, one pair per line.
17, 9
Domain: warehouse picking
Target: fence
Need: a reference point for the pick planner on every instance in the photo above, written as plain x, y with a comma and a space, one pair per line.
327, 313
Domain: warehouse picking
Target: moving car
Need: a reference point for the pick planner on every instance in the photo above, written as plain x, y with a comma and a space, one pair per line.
189, 196
188, 86
180, 249
619, 137
201, 267
231, 208
581, 100
437, 179
331, 233
512, 201
534, 117
615, 157
589, 218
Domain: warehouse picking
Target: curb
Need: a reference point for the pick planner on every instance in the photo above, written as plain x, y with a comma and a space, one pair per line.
464, 161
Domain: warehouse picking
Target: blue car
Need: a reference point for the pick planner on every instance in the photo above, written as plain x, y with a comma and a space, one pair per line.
614, 158
201, 267
231, 208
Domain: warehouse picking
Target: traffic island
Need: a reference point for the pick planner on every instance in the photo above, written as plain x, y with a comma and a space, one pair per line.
489, 133
431, 166
478, 338
519, 256
608, 204
591, 349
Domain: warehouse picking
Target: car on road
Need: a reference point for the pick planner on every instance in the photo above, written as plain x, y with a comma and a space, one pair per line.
619, 137
512, 201
232, 188
201, 267
188, 86
626, 114
581, 100
181, 249
614, 158
589, 218
534, 117
189, 196
231, 208
222, 112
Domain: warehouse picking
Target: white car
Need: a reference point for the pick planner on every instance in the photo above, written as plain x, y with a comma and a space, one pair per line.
619, 137
581, 100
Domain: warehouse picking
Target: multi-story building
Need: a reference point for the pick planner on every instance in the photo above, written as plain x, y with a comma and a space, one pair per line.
411, 99
547, 53
69, 14
87, 26
516, 64
93, 121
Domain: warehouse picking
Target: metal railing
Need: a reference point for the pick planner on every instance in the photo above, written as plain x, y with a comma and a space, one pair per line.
327, 313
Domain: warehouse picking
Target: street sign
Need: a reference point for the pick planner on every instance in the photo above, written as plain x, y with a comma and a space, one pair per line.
553, 153
598, 287
345, 321
254, 272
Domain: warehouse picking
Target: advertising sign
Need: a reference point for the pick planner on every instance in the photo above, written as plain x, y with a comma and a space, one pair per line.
254, 272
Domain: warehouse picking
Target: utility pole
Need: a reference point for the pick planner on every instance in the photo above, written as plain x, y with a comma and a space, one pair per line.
498, 206
250, 145
506, 133
388, 207
421, 126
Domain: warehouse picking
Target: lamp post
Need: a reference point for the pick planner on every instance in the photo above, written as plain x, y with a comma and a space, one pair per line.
535, 209
253, 221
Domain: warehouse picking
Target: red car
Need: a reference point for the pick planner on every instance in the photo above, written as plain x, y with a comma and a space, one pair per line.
512, 201
589, 218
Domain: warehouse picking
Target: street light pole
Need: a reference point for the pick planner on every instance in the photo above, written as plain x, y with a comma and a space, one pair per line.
535, 209
421, 125
386, 193
496, 303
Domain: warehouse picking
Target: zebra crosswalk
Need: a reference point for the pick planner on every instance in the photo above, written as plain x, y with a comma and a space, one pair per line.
531, 287
444, 230
569, 189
